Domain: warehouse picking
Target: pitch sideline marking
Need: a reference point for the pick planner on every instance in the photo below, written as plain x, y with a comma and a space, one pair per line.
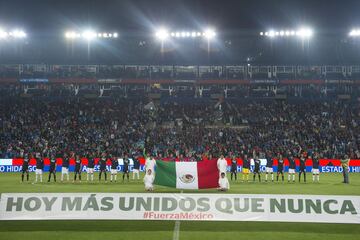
176, 234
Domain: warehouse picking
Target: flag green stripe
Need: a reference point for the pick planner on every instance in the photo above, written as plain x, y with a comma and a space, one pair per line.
165, 174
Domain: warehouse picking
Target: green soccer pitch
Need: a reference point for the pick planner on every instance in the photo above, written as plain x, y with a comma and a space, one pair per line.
330, 184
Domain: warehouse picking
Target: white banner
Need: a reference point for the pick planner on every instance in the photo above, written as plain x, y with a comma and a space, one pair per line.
172, 206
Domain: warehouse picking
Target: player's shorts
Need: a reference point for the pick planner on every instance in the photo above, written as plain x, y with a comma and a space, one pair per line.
269, 170
38, 171
246, 170
90, 170
24, 170
126, 171
291, 170
136, 170
113, 171
315, 171
64, 170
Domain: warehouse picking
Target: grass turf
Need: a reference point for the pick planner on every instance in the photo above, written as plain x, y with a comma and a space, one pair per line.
330, 184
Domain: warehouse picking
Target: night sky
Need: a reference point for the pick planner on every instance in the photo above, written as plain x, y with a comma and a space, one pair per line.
142, 15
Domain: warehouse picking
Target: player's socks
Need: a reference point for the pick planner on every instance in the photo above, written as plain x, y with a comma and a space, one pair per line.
22, 177
318, 178
277, 178
289, 178
115, 177
266, 177
272, 177
313, 177
282, 177
293, 177
259, 178
27, 177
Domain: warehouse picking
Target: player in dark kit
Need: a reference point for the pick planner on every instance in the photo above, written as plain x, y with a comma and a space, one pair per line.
233, 168
257, 168
302, 168
52, 169
280, 169
126, 167
102, 163
25, 167
78, 167
246, 167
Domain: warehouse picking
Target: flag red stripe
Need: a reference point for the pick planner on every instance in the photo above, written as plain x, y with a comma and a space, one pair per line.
208, 174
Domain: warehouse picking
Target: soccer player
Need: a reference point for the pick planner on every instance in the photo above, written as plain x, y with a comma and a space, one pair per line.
280, 168
246, 168
65, 167
222, 164
52, 169
292, 166
136, 169
90, 168
233, 168
39, 167
78, 167
302, 167
126, 167
269, 166
315, 168
25, 167
257, 167
102, 163
148, 180
345, 161
223, 182
114, 166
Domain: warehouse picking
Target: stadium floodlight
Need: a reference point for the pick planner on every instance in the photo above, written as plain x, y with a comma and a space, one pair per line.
271, 33
193, 34
209, 34
354, 33
89, 35
115, 35
3, 34
162, 34
261, 33
302, 33
305, 33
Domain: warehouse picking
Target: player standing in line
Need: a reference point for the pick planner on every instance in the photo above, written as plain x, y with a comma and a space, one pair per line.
269, 166
222, 164
257, 163
280, 168
102, 164
148, 180
65, 167
78, 168
233, 169
90, 168
25, 167
52, 169
292, 166
136, 169
302, 167
39, 167
126, 168
315, 168
114, 170
246, 168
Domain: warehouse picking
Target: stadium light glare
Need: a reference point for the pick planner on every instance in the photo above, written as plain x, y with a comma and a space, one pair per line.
89, 35
354, 33
302, 33
271, 33
209, 34
162, 34
261, 33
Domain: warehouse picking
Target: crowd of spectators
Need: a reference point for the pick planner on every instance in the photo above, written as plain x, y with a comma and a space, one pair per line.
193, 130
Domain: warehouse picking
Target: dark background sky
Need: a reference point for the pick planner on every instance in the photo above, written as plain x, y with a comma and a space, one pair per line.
140, 15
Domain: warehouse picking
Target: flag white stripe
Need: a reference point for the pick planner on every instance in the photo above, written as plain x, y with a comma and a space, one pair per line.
186, 175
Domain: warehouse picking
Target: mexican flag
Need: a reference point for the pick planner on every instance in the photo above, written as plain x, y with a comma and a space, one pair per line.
187, 175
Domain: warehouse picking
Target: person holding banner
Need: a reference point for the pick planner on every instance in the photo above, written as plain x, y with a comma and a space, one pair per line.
25, 167
222, 165
345, 165
150, 163
224, 184
149, 180
65, 167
